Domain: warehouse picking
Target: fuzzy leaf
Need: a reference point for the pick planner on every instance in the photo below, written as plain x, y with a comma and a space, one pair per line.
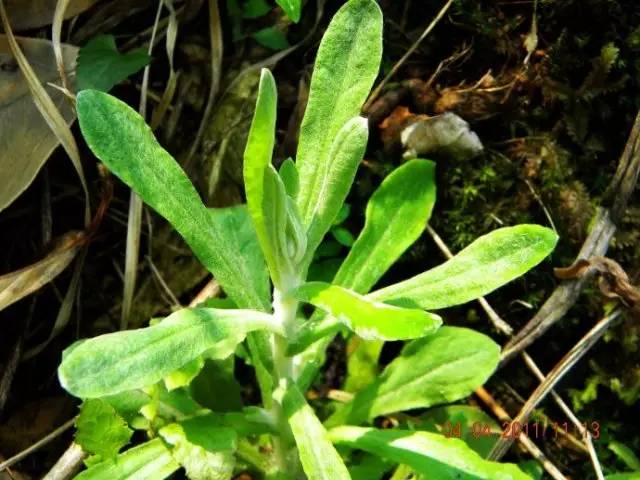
346, 66
429, 454
100, 430
265, 200
362, 363
319, 458
203, 448
488, 263
292, 8
101, 66
289, 175
395, 217
119, 137
368, 319
149, 461
120, 361
441, 368
333, 181
477, 429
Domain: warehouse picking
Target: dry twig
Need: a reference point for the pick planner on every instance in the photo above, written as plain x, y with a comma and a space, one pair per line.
568, 361
604, 226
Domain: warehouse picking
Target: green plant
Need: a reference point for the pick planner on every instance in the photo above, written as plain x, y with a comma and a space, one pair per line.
175, 379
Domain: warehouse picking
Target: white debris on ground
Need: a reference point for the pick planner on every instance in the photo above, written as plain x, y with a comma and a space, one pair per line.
446, 134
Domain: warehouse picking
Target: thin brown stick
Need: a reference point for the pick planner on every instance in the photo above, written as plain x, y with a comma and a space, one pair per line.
554, 376
586, 435
376, 92
500, 413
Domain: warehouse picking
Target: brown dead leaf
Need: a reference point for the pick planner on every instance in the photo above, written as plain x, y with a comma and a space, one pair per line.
19, 284
26, 141
28, 14
613, 281
393, 125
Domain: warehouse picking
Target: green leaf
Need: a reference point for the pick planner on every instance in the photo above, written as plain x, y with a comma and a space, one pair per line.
100, 430
331, 182
624, 476
101, 66
289, 175
625, 454
343, 236
120, 361
477, 429
237, 227
266, 196
370, 467
441, 368
346, 66
149, 461
427, 453
368, 319
362, 363
292, 8
184, 375
319, 458
204, 449
272, 38
396, 216
255, 9
343, 214
488, 263
216, 387
119, 137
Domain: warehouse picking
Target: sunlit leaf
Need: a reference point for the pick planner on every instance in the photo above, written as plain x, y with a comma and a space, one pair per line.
292, 8
368, 319
488, 263
121, 139
100, 430
202, 447
319, 458
121, 361
346, 66
429, 454
441, 368
396, 216
149, 461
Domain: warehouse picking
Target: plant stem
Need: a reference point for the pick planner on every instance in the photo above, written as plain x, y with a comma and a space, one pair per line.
284, 311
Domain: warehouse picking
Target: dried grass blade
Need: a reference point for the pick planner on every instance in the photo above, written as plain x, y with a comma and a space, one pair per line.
64, 313
56, 30
17, 285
